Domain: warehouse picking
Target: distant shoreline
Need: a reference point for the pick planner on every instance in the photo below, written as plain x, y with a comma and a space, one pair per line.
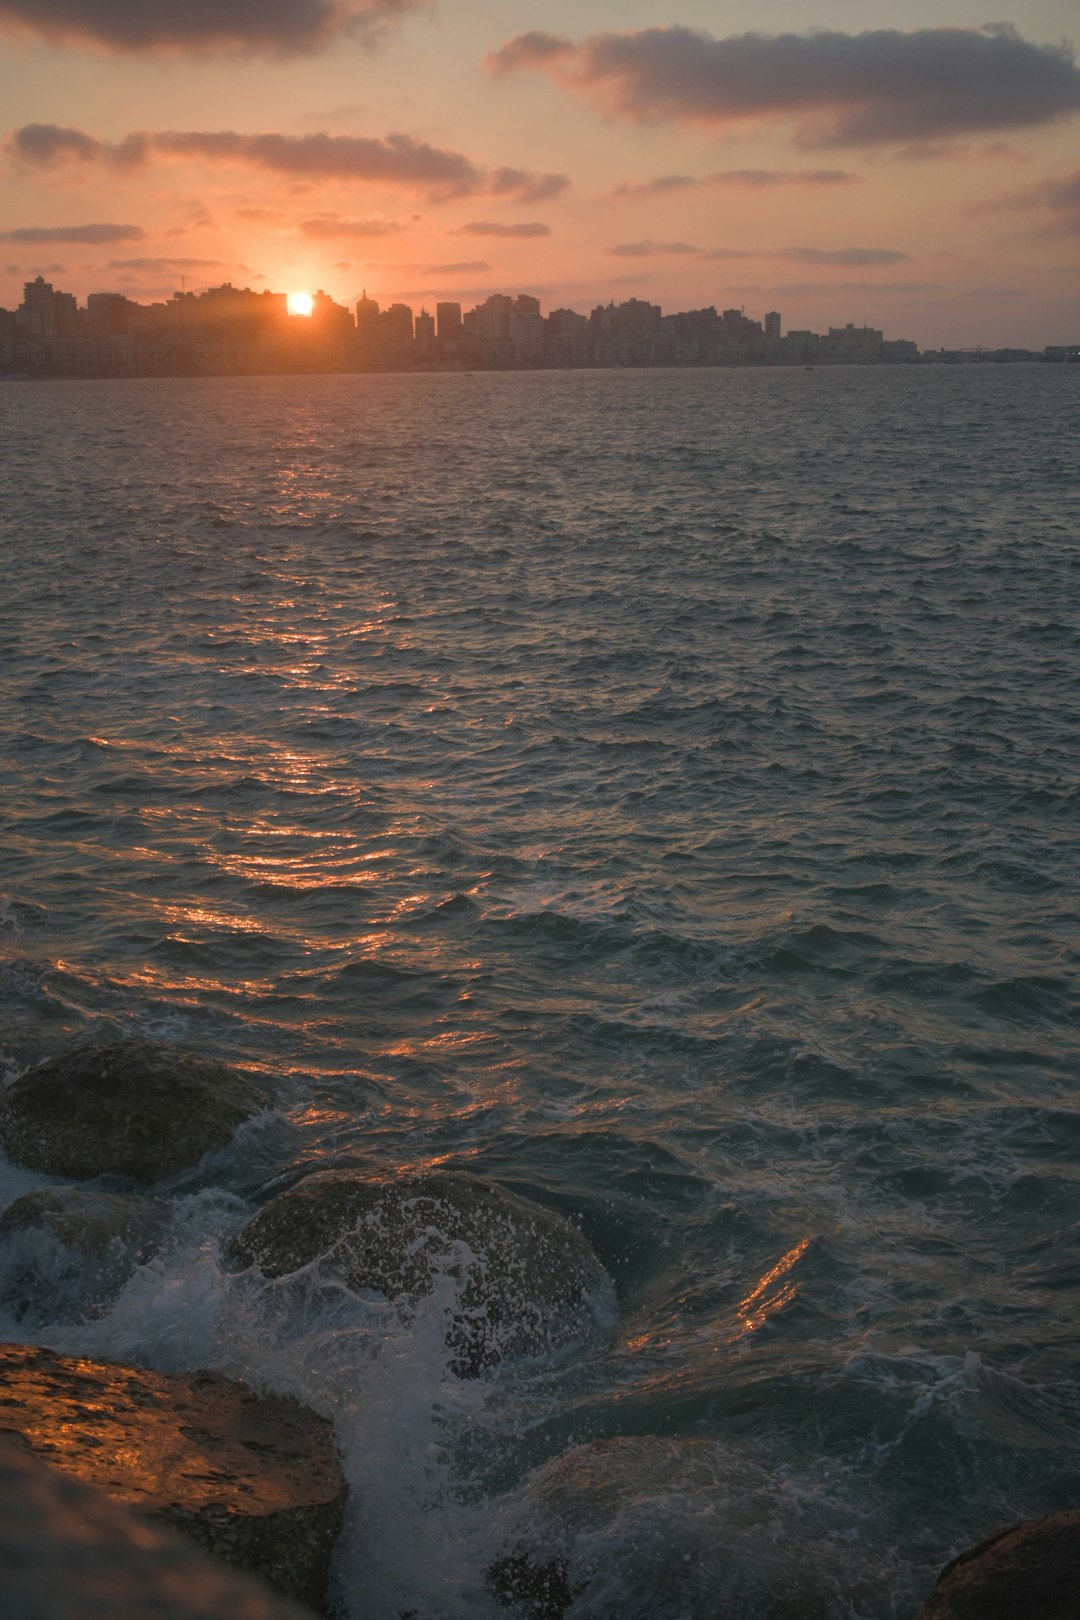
930, 361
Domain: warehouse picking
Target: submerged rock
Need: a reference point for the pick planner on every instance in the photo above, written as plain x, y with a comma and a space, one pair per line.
642, 1525
1029, 1571
98, 1240
134, 1108
254, 1480
525, 1279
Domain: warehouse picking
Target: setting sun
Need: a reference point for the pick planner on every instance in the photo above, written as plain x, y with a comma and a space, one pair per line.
300, 303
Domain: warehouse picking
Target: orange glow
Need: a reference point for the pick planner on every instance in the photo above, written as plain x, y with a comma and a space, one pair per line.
772, 1293
300, 303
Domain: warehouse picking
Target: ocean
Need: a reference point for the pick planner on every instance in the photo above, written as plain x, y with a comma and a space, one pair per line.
656, 792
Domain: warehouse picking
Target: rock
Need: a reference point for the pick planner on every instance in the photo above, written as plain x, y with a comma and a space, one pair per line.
1029, 1571
99, 1239
134, 1108
643, 1525
254, 1480
526, 1280
69, 1553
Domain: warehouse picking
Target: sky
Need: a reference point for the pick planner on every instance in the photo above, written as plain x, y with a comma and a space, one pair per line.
809, 156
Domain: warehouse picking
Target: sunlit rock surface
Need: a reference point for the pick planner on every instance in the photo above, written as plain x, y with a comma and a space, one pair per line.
253, 1480
1030, 1571
69, 1553
642, 1524
74, 1245
134, 1108
524, 1280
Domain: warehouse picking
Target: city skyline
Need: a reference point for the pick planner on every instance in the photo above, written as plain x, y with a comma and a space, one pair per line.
922, 180
230, 330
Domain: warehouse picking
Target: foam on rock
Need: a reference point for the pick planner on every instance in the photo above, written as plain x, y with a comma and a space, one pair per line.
526, 1280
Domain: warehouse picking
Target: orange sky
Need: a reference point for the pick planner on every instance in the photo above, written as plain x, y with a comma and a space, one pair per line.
926, 181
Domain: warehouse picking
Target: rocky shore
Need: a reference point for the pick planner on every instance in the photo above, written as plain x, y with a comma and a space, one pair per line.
254, 1479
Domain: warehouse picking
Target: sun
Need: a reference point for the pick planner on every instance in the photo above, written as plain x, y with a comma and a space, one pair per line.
300, 303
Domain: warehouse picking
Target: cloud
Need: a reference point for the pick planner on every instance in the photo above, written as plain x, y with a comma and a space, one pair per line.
163, 266
804, 255
48, 144
796, 289
529, 187
736, 179
851, 255
283, 27
95, 234
881, 87
463, 267
1058, 198
392, 160
329, 226
647, 249
489, 227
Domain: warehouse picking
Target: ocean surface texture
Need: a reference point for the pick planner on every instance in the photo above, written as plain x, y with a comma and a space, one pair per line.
656, 793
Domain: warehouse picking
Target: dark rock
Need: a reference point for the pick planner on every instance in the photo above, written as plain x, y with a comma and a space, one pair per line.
694, 1526
526, 1279
546, 1588
254, 1480
100, 1238
1029, 1571
134, 1109
69, 1553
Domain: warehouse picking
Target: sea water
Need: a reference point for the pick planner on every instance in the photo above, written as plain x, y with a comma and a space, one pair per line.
655, 792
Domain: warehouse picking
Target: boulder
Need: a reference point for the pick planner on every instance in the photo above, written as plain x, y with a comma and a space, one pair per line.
98, 1239
254, 1480
1029, 1571
135, 1108
525, 1280
642, 1525
69, 1553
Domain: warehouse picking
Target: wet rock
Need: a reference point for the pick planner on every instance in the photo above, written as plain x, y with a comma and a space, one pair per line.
1027, 1570
97, 1240
642, 1525
526, 1280
69, 1553
254, 1480
135, 1108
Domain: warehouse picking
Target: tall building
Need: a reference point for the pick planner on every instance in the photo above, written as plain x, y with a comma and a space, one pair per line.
772, 323
367, 317
425, 332
448, 322
39, 308
397, 324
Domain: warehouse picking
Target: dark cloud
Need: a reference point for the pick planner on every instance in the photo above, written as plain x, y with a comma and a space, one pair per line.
490, 227
329, 226
95, 234
803, 255
1058, 199
397, 160
50, 143
736, 179
528, 187
164, 266
874, 88
279, 26
393, 160
647, 249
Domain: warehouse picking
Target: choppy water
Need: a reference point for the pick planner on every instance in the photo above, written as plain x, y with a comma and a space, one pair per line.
656, 792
